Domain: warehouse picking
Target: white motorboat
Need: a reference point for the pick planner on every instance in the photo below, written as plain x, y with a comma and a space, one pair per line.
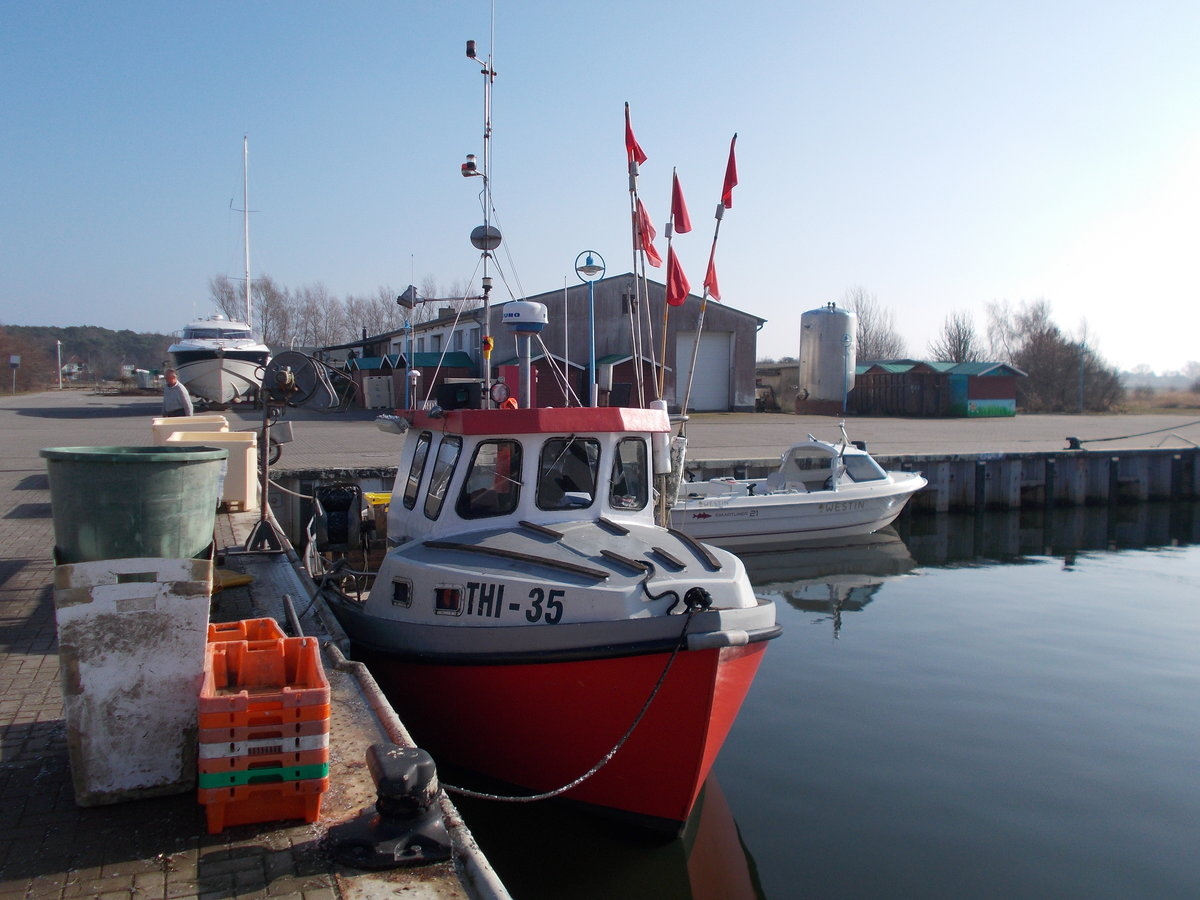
820, 491
219, 361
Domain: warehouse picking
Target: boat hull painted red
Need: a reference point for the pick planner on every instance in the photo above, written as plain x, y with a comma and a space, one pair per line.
540, 726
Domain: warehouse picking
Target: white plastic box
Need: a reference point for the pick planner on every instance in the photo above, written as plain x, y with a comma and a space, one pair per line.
164, 426
240, 488
131, 638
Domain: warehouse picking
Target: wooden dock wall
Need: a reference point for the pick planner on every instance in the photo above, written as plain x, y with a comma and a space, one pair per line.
962, 482
971, 481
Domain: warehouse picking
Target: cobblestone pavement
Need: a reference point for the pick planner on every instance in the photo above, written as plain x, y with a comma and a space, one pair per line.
152, 848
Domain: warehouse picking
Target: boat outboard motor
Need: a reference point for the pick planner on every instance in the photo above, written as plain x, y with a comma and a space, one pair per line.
337, 517
405, 827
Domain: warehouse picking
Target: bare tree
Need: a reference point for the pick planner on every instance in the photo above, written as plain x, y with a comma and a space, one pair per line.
876, 337
229, 298
1063, 375
273, 304
321, 318
957, 341
386, 313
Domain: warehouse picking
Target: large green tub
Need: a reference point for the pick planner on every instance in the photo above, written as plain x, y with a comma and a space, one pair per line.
120, 502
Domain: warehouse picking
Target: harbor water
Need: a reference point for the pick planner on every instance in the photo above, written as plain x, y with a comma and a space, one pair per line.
992, 706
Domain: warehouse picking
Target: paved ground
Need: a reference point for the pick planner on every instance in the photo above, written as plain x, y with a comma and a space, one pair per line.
156, 848
152, 848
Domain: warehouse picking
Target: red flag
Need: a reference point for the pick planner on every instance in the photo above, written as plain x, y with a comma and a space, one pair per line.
679, 213
730, 181
710, 277
646, 235
677, 283
633, 150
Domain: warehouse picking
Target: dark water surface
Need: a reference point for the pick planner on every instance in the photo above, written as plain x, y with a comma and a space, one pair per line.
1005, 705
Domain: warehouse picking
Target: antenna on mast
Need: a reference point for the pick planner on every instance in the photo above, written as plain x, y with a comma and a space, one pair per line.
485, 237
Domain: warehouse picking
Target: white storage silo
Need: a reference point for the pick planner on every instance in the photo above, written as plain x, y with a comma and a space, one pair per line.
827, 354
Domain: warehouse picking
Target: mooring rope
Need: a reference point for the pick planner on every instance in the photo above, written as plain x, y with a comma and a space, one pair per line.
1076, 440
604, 760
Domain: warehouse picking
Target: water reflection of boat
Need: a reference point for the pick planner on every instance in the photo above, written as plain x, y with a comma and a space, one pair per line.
833, 578
962, 539
586, 859
879, 555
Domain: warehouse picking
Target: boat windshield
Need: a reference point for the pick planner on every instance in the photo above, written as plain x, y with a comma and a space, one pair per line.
863, 468
443, 468
493, 483
567, 473
417, 469
216, 334
628, 486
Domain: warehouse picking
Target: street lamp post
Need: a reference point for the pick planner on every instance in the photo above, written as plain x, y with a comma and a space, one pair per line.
59, 351
590, 270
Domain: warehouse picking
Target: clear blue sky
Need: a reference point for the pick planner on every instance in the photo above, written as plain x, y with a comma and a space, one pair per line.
939, 154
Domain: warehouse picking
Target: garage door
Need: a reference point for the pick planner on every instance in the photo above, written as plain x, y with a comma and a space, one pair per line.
714, 369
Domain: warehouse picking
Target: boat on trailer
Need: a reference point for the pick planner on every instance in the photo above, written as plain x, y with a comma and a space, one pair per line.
219, 360
819, 491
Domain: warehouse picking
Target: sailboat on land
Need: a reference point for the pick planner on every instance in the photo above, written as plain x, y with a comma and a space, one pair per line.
219, 360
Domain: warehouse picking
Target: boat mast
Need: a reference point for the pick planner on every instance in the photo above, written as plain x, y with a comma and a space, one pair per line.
246, 217
485, 238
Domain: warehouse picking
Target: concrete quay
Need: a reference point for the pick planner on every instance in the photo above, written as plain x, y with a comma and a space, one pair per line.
159, 847
1001, 463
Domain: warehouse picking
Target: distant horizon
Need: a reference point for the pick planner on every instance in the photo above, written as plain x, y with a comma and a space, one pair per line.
941, 157
760, 358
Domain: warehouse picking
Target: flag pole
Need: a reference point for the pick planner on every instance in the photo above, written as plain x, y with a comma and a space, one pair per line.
710, 272
687, 394
662, 368
635, 304
636, 156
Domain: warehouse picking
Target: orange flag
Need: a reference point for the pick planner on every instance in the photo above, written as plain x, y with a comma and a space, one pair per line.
730, 180
679, 213
646, 235
677, 283
710, 277
633, 149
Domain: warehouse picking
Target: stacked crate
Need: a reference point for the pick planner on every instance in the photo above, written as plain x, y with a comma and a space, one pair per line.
264, 726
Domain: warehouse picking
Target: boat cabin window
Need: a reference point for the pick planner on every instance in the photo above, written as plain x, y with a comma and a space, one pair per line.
863, 468
215, 334
417, 469
628, 486
567, 473
493, 483
814, 470
443, 468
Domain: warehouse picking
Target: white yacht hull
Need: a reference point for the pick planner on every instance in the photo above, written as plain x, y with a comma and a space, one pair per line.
758, 521
220, 376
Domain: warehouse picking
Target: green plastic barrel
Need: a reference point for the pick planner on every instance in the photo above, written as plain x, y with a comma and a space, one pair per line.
120, 502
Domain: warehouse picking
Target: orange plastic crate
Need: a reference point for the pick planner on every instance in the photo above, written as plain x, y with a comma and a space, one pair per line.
264, 747
245, 630
253, 803
265, 731
283, 760
258, 716
245, 678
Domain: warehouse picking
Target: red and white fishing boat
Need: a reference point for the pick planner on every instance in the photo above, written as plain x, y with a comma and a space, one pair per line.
533, 622
533, 617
